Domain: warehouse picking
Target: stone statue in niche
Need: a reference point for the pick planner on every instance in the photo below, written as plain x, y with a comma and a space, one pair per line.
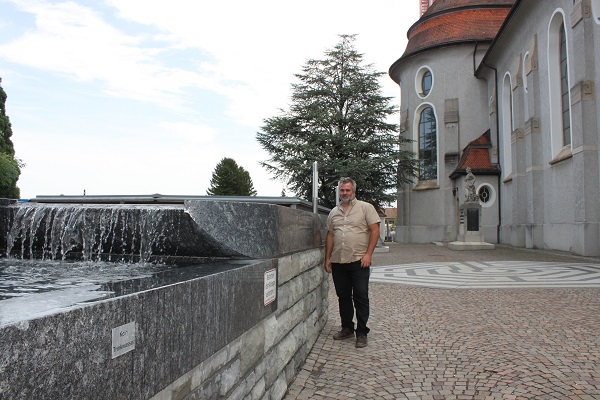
470, 184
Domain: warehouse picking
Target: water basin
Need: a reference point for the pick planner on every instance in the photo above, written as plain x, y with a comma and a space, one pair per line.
34, 288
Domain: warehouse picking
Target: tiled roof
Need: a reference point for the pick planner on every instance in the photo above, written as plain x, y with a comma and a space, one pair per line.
456, 27
477, 157
391, 212
482, 141
451, 22
440, 6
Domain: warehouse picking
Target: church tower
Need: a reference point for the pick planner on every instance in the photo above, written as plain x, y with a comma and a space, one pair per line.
425, 5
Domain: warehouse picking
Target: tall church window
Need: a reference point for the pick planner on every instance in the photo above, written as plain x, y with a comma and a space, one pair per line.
526, 58
558, 84
427, 145
564, 86
507, 125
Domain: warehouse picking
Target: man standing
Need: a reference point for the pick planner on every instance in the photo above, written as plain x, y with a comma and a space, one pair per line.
352, 234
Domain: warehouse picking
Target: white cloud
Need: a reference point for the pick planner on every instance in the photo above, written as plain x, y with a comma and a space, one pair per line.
214, 70
256, 47
73, 40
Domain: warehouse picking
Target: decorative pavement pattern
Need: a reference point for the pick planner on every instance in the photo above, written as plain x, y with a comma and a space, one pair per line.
490, 275
464, 329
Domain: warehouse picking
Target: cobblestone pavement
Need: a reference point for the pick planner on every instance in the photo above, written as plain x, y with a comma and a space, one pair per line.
444, 339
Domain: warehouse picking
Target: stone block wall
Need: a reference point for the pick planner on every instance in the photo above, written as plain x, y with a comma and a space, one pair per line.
264, 360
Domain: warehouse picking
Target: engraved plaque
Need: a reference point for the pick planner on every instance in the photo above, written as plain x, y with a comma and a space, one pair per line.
270, 286
472, 219
123, 339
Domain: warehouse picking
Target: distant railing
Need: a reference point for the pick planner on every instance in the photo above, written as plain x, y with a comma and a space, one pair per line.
292, 202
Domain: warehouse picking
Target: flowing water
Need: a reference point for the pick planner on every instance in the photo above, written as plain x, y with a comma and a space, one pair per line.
60, 256
90, 232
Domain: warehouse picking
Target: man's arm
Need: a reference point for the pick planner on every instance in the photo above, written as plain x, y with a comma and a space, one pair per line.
373, 239
328, 250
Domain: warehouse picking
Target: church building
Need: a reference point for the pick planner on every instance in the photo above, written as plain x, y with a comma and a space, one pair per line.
508, 89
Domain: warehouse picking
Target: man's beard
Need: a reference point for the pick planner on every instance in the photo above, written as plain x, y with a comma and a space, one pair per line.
347, 200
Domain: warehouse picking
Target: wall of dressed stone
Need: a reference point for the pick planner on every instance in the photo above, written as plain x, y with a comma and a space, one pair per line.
264, 360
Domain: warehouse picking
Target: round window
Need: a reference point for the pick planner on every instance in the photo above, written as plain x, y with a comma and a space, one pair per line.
426, 83
423, 82
486, 194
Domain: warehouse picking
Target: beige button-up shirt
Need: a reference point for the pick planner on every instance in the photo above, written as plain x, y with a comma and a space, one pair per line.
351, 231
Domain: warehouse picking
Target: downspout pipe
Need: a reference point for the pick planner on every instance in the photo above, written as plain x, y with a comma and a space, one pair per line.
498, 227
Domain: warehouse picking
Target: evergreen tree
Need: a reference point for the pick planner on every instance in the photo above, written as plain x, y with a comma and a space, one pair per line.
10, 167
338, 117
229, 179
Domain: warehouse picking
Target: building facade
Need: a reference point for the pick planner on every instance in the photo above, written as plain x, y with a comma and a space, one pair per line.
507, 88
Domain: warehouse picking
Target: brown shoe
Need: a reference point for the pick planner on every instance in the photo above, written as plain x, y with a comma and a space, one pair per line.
343, 334
361, 341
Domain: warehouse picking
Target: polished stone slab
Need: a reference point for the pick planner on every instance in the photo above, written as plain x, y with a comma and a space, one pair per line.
68, 354
256, 230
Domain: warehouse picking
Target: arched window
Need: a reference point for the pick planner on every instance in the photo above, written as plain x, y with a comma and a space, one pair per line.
559, 88
427, 144
564, 87
507, 125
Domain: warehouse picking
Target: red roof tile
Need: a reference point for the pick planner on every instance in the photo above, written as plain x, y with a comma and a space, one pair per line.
440, 6
391, 212
451, 22
483, 140
468, 25
477, 157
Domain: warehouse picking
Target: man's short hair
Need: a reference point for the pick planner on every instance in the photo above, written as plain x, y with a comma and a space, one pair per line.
343, 180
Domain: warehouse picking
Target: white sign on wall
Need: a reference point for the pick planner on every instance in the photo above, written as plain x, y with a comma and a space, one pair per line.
270, 286
123, 339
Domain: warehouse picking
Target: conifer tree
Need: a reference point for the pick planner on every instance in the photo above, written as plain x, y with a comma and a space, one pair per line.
10, 167
339, 118
229, 179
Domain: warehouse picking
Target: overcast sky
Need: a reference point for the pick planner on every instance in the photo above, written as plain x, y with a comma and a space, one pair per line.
146, 96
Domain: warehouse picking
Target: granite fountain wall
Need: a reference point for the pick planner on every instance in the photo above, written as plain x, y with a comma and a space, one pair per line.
238, 327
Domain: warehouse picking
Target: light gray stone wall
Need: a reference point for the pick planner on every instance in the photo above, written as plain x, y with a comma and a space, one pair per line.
550, 203
459, 100
262, 362
544, 201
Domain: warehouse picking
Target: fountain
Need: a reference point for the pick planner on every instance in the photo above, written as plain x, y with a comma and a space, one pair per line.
130, 297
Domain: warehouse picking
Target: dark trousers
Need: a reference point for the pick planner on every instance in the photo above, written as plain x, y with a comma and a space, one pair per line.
352, 288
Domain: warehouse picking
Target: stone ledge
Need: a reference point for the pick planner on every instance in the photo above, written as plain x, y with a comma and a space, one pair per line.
382, 249
461, 246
